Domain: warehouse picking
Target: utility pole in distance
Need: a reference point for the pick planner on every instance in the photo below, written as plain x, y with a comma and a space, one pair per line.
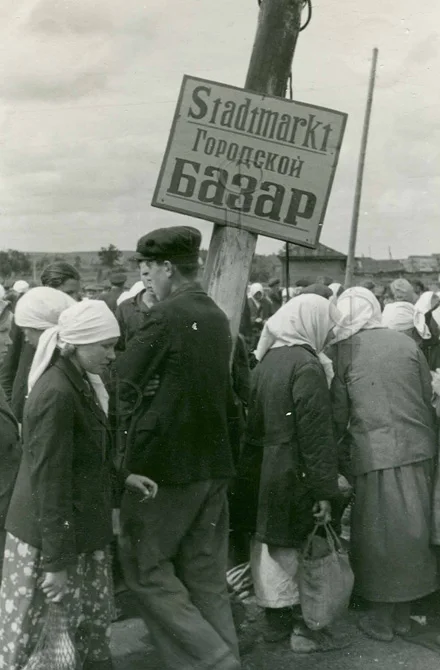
231, 250
349, 273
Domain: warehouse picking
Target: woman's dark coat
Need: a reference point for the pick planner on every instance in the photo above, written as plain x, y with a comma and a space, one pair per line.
15, 369
62, 498
290, 459
10, 454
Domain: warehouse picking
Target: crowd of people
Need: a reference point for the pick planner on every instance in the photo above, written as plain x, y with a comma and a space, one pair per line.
133, 415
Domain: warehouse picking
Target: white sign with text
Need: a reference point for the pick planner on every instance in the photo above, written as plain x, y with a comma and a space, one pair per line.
251, 161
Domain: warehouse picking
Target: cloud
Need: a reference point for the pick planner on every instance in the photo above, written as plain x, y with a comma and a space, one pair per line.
67, 50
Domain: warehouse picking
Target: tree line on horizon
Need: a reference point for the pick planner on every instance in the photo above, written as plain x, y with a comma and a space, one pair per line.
15, 263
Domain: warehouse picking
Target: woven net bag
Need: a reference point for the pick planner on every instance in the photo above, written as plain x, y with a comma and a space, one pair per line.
55, 649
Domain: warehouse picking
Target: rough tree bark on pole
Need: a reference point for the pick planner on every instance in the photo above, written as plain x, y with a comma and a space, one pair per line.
231, 250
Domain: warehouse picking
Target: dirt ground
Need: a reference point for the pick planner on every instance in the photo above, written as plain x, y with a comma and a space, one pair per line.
132, 649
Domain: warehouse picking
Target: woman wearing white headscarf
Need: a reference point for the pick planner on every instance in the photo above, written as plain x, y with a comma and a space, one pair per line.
289, 457
418, 322
37, 310
59, 520
381, 396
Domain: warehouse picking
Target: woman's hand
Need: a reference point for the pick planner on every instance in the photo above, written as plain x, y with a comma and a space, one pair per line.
143, 485
322, 511
54, 585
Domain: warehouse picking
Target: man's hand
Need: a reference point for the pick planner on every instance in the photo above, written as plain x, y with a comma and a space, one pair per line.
151, 387
54, 585
143, 485
322, 511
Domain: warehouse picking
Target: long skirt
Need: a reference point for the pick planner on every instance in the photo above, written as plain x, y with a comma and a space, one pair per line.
23, 605
273, 576
390, 535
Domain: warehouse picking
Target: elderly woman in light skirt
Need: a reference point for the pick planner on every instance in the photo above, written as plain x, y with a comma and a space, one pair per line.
382, 407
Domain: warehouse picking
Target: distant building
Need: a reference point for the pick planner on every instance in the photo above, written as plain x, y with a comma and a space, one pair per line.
313, 263
382, 271
327, 262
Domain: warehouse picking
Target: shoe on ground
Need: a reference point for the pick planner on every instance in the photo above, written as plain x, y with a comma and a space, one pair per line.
278, 624
306, 641
375, 629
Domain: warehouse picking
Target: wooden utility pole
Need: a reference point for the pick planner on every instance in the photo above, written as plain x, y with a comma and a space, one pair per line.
360, 176
231, 250
287, 271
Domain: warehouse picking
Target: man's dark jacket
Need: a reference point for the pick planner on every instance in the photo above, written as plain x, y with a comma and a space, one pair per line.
182, 434
289, 460
63, 494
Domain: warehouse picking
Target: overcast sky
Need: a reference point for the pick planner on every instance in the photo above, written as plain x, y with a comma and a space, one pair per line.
88, 90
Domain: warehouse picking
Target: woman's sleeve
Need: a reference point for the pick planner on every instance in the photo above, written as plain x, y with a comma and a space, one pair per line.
341, 416
50, 447
9, 367
314, 430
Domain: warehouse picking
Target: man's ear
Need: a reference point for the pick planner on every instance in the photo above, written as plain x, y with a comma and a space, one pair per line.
169, 268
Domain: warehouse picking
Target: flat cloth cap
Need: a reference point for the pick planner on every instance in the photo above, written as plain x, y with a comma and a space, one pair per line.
175, 243
274, 282
118, 277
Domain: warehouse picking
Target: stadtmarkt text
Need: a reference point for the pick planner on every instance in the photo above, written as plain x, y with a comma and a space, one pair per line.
261, 163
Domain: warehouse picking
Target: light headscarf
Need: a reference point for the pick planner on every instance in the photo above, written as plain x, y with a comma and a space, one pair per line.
402, 291
21, 286
131, 293
40, 307
2, 292
254, 289
398, 316
428, 302
360, 310
86, 322
307, 319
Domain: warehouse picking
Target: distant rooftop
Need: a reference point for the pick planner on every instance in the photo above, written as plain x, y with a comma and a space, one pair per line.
372, 266
322, 252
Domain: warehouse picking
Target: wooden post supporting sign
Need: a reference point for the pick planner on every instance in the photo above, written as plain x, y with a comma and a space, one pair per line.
231, 250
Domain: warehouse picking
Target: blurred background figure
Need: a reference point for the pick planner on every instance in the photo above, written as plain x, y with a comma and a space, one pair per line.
118, 279
10, 452
15, 368
91, 292
274, 294
289, 293
419, 287
18, 289
260, 311
63, 277
400, 290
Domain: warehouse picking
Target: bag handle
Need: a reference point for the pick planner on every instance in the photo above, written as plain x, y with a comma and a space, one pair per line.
331, 536
309, 540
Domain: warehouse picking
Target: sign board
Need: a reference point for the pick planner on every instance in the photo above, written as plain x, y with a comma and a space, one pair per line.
252, 161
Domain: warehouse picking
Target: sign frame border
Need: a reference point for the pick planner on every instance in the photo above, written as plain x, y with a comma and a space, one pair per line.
219, 221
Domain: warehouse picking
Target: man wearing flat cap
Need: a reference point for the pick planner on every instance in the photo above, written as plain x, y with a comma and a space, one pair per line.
174, 548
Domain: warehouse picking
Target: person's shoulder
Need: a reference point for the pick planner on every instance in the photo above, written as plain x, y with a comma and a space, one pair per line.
53, 383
